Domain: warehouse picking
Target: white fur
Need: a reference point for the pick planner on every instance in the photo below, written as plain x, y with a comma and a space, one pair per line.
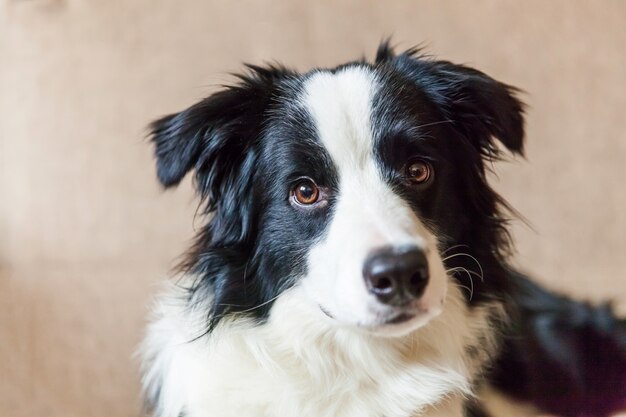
301, 364
368, 215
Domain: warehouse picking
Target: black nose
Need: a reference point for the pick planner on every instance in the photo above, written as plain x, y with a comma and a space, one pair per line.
396, 275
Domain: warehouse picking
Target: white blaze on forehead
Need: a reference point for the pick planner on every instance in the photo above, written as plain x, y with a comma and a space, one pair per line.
367, 213
341, 107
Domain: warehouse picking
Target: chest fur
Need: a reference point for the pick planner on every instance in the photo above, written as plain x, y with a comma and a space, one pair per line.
297, 364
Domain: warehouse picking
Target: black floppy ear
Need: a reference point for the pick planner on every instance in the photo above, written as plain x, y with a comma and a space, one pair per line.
216, 138
482, 107
212, 135
479, 106
177, 139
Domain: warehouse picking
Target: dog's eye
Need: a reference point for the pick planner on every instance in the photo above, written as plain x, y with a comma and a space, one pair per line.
419, 171
305, 192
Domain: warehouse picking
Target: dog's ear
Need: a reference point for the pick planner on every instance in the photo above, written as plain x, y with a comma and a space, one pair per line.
211, 135
480, 107
216, 138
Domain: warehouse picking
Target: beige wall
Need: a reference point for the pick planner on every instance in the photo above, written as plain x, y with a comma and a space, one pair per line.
85, 232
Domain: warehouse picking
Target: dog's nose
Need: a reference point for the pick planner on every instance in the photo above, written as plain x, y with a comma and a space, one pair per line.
396, 275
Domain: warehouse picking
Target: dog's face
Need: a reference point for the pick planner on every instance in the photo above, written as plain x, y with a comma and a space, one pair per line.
352, 183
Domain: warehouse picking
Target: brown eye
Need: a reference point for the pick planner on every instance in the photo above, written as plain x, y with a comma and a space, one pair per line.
306, 192
419, 171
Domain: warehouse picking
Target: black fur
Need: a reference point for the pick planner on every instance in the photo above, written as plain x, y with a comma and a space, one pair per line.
474, 409
567, 358
249, 143
468, 109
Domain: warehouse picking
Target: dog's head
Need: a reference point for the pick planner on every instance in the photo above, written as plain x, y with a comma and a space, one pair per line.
359, 184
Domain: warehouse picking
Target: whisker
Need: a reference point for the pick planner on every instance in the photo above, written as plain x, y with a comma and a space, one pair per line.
245, 275
261, 305
482, 273
454, 247
460, 268
251, 308
434, 123
471, 289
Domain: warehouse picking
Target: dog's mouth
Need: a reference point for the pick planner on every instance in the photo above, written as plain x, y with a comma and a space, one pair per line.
326, 312
398, 318
389, 319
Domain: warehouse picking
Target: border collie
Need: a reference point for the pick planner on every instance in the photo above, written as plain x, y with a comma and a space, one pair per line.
354, 258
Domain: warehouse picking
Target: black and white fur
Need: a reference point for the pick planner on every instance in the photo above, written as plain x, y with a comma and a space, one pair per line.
270, 315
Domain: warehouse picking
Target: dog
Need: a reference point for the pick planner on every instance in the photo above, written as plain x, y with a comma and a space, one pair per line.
354, 260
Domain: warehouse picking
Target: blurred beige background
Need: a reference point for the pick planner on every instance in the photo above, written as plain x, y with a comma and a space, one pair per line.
86, 233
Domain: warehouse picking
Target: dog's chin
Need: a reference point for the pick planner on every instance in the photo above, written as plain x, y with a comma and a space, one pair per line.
394, 324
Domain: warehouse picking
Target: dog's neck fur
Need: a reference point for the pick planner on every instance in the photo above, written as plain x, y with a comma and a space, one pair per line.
298, 363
